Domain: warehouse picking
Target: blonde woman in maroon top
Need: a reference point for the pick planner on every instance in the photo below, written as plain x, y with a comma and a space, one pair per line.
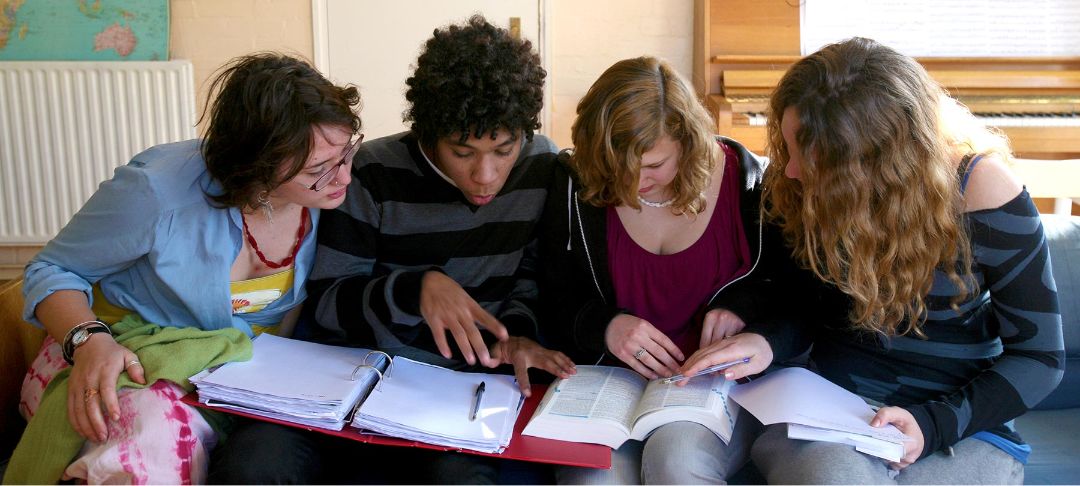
650, 218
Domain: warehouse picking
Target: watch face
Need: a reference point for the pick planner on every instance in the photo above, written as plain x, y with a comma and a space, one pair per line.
80, 337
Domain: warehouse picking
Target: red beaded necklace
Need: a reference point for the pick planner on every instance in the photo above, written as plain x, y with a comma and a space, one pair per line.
296, 248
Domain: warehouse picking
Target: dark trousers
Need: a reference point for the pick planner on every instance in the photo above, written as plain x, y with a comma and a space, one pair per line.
257, 452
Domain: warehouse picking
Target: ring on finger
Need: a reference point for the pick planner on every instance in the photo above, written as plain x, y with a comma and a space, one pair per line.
132, 363
640, 352
89, 394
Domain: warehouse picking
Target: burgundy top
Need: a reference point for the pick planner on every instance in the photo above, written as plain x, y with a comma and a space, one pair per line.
669, 291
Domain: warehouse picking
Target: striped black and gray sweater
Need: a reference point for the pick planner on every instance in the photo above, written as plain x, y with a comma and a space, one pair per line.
978, 369
401, 219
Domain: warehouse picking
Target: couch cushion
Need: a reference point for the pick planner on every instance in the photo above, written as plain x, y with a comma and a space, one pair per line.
1054, 444
1063, 236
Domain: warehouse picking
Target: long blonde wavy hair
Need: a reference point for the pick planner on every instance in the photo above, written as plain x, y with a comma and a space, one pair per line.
879, 205
631, 105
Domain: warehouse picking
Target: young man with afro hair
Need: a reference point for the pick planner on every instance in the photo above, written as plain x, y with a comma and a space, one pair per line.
433, 254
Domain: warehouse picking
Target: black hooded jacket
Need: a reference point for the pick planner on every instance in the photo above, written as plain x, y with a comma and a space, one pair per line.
577, 294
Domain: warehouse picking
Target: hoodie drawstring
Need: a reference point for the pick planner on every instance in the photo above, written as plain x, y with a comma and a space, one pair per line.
569, 212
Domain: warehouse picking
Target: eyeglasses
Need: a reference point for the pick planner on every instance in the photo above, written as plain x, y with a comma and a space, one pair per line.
331, 173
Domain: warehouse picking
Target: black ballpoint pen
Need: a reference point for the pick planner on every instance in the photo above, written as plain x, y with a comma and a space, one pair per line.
476, 400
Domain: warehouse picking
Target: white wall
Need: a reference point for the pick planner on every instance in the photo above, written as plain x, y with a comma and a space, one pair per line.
211, 32
368, 49
589, 36
585, 38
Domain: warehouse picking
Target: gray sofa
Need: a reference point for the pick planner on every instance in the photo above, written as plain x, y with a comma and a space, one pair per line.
1053, 427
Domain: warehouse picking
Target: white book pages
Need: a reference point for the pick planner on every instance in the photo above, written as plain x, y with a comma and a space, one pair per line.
430, 404
289, 368
890, 451
800, 396
296, 381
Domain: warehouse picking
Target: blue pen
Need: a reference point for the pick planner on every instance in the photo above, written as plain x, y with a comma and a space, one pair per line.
711, 369
476, 400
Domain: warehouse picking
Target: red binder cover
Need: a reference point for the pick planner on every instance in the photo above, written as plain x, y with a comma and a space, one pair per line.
522, 447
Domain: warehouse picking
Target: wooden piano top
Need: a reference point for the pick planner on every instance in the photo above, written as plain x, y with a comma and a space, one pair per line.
991, 86
1046, 76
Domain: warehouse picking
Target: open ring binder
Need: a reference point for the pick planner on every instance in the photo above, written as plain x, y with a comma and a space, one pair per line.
321, 388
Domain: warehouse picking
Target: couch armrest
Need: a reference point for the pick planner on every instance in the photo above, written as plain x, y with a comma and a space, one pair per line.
19, 344
1063, 238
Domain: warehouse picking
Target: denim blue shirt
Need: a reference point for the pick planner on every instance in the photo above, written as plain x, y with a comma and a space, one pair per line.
158, 246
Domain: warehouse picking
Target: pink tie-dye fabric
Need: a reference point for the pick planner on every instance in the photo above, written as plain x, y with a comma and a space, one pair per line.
158, 439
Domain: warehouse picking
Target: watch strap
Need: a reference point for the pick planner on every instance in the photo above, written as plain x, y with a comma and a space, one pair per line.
90, 327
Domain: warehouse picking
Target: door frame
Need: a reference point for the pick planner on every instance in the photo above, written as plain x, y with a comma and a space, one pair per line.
321, 43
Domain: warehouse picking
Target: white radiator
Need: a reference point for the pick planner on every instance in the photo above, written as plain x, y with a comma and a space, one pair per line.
64, 127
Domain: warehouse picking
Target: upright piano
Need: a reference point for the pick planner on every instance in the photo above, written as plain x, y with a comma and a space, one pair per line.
741, 49
1034, 101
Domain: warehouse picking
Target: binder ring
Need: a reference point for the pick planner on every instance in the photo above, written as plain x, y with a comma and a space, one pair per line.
389, 362
356, 370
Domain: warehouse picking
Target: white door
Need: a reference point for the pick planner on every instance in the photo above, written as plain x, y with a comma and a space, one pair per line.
374, 44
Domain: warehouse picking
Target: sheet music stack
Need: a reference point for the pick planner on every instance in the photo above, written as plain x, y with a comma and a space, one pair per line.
295, 381
426, 403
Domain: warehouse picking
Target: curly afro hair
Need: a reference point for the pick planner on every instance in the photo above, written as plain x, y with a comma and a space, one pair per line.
474, 78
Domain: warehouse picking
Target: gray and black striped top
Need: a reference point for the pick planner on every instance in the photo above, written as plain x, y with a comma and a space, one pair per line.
980, 368
400, 219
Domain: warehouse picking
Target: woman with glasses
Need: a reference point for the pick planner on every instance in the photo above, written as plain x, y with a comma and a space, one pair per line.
213, 238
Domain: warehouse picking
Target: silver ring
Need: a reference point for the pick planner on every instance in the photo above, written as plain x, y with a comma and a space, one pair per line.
132, 363
639, 353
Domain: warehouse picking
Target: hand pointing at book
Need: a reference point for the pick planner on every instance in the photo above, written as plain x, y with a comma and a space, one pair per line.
446, 307
524, 353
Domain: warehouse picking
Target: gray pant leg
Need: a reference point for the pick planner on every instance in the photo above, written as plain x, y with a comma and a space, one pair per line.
788, 461
625, 468
973, 462
689, 453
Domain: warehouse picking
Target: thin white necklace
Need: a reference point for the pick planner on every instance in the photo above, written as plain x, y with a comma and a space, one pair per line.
662, 204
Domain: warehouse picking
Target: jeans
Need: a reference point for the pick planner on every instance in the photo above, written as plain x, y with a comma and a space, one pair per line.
676, 453
790, 461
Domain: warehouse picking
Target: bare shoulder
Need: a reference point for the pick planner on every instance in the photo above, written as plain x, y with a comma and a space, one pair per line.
991, 184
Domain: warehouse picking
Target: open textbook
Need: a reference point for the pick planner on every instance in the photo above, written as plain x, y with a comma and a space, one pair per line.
609, 405
817, 409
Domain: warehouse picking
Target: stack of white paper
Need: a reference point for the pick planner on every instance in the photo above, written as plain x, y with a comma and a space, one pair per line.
817, 409
426, 403
294, 381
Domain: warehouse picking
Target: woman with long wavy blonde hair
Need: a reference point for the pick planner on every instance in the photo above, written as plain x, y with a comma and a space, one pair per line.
915, 263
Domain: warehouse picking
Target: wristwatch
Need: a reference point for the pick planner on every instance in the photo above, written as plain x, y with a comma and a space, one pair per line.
82, 335
79, 335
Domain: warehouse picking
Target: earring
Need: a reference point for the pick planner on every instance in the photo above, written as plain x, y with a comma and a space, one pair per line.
264, 201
